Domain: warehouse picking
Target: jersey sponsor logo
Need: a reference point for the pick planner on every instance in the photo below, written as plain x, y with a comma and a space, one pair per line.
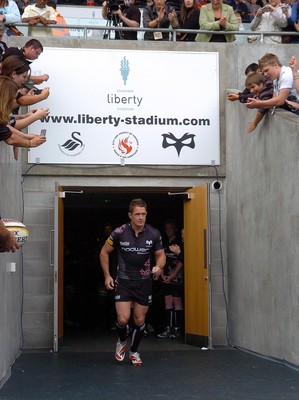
124, 243
145, 272
135, 250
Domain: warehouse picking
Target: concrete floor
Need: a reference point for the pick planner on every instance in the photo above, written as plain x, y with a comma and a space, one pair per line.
85, 369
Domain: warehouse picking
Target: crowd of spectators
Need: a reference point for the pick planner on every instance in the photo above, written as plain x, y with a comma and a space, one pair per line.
269, 85
219, 16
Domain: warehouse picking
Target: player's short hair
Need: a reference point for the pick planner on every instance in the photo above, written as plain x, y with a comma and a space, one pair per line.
137, 203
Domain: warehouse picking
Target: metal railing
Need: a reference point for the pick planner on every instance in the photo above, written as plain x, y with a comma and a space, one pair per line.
83, 31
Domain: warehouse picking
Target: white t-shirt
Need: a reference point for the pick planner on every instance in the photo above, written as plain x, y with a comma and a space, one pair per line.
285, 81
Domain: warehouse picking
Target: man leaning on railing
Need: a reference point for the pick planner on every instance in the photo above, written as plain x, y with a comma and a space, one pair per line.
39, 14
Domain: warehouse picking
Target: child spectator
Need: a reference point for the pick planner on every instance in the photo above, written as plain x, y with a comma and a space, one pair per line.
262, 89
283, 84
243, 96
294, 66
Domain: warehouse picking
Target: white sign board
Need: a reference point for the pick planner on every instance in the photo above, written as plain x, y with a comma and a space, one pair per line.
129, 107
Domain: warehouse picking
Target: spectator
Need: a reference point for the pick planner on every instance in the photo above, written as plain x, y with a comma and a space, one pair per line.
3, 45
243, 96
60, 21
252, 9
39, 14
9, 12
15, 68
12, 136
188, 19
21, 5
241, 7
283, 84
262, 89
294, 66
8, 242
159, 15
217, 16
30, 52
129, 16
269, 18
293, 23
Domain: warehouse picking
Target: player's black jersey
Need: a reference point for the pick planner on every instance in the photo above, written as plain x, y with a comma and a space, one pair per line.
134, 253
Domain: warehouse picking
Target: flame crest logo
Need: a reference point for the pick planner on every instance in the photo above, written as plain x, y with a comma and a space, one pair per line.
125, 144
73, 146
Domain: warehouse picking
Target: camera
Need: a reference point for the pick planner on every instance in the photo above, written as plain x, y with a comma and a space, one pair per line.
114, 5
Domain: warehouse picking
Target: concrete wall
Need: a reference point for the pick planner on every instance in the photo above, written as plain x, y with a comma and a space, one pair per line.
38, 274
257, 296
263, 233
10, 282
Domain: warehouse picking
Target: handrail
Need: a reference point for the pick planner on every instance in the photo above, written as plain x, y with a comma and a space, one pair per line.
173, 32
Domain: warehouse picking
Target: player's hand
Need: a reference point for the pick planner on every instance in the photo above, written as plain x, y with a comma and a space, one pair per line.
109, 283
156, 272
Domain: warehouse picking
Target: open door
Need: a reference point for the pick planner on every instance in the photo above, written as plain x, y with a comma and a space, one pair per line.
58, 266
196, 267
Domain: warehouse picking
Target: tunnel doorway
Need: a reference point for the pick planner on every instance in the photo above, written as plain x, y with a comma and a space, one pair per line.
87, 307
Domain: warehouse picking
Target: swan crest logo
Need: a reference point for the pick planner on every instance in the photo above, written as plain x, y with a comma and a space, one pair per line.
72, 147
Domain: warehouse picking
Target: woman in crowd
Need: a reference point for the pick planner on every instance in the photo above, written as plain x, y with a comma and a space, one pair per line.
9, 12
188, 19
16, 68
269, 18
217, 16
12, 136
159, 15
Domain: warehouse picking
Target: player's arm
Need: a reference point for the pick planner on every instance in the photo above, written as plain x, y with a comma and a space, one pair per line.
177, 270
104, 259
160, 259
8, 241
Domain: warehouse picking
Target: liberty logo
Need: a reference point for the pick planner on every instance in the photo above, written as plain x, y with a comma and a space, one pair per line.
73, 146
187, 140
124, 69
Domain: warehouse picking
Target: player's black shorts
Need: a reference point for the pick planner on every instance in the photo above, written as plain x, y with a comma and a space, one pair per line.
130, 290
173, 290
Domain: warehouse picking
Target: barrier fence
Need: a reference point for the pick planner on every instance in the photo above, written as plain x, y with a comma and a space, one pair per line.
98, 31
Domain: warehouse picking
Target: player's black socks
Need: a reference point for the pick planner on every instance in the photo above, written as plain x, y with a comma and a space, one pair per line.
137, 334
122, 331
169, 317
178, 318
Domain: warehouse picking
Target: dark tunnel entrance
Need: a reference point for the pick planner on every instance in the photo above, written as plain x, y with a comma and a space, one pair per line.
88, 307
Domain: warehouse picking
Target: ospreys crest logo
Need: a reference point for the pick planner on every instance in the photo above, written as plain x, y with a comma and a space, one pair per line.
187, 140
